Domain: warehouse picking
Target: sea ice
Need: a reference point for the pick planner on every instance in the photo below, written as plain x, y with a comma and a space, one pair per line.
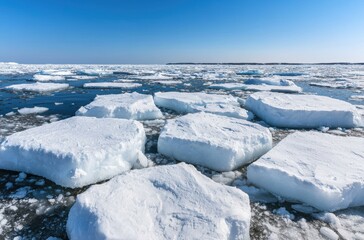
164, 202
112, 85
45, 78
217, 142
33, 110
302, 111
319, 169
38, 87
128, 105
76, 151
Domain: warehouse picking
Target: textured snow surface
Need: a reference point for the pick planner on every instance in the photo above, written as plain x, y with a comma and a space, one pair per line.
76, 151
322, 170
302, 111
112, 85
38, 87
217, 142
128, 105
164, 202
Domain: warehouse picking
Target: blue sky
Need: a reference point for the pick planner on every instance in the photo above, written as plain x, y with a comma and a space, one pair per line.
160, 31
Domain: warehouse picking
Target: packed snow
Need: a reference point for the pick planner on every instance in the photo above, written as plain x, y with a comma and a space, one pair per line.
303, 111
128, 105
38, 87
33, 110
217, 142
164, 202
322, 170
75, 152
112, 85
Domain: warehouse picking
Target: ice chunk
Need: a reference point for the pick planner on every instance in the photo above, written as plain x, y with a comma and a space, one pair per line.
38, 87
328, 233
164, 202
319, 169
186, 102
166, 82
112, 85
217, 142
302, 111
33, 110
258, 87
76, 151
45, 78
128, 105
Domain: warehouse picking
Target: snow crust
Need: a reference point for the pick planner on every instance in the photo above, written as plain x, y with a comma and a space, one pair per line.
302, 111
321, 170
76, 151
38, 87
128, 105
164, 202
217, 142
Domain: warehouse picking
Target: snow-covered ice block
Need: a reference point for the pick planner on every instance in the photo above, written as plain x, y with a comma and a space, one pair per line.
128, 105
164, 202
302, 111
112, 85
217, 142
33, 110
319, 169
292, 88
38, 87
45, 78
168, 82
191, 102
224, 110
76, 151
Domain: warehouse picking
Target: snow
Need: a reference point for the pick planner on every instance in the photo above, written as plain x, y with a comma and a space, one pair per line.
328, 233
302, 111
33, 110
128, 105
112, 85
76, 151
38, 87
217, 142
321, 170
184, 102
45, 78
164, 202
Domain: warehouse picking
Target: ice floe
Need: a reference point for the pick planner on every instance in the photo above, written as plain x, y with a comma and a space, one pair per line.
33, 110
76, 151
302, 111
38, 87
164, 202
217, 142
125, 85
128, 105
322, 170
45, 78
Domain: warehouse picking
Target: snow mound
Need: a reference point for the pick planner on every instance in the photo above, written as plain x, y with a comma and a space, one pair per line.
321, 170
164, 202
187, 102
33, 110
38, 87
302, 111
128, 105
112, 85
217, 142
45, 78
76, 151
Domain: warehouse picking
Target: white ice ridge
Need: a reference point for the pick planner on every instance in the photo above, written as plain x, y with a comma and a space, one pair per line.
112, 85
302, 111
38, 87
217, 142
322, 170
75, 152
33, 110
128, 105
192, 102
164, 202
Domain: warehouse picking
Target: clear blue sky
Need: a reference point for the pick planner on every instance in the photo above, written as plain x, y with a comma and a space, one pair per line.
156, 31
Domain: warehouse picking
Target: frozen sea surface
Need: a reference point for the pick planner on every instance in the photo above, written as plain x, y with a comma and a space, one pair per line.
33, 207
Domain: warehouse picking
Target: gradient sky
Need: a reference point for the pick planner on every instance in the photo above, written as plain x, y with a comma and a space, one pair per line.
161, 31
